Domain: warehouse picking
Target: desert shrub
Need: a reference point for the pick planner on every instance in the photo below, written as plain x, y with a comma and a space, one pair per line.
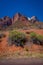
40, 39
32, 34
36, 38
17, 38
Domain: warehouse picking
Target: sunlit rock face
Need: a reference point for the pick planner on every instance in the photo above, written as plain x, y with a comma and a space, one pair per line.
34, 19
29, 18
20, 17
16, 17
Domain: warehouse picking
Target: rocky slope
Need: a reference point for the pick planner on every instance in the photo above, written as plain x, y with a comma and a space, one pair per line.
20, 21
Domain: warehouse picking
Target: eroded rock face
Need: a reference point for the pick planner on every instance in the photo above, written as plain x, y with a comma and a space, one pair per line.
5, 22
19, 20
34, 19
19, 17
16, 17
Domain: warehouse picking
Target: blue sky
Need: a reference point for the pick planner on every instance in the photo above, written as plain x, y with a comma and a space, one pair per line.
26, 7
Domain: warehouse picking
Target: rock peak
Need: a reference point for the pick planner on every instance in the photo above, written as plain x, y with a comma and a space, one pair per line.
34, 18
18, 14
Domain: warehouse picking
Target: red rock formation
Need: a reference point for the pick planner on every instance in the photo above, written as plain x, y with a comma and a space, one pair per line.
19, 19
4, 22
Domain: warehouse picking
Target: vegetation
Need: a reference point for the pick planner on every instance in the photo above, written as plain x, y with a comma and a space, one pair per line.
17, 38
38, 39
32, 34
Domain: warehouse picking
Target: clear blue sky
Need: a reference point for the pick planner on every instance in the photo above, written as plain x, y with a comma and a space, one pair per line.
26, 7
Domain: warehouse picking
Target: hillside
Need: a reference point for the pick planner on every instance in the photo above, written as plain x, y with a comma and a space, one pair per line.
12, 51
20, 21
21, 37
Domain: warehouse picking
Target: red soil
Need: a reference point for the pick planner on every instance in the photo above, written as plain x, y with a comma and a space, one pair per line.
4, 47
